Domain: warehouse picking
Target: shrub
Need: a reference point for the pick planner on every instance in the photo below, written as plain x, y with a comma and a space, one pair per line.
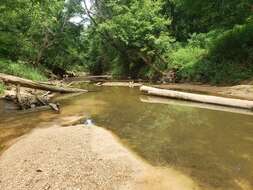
184, 61
216, 57
235, 44
230, 58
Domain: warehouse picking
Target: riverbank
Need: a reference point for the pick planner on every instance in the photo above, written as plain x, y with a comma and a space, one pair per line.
244, 91
81, 158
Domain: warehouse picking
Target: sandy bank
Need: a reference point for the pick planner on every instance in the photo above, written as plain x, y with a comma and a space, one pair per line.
81, 158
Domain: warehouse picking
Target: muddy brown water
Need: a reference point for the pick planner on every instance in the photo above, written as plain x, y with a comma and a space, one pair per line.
214, 148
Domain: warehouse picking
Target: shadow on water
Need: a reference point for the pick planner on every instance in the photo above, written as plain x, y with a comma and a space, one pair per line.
215, 148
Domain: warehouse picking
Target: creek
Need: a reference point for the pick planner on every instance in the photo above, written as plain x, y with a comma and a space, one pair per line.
214, 148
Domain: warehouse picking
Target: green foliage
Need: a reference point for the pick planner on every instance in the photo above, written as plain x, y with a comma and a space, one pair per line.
136, 32
202, 40
208, 41
21, 69
231, 57
1, 88
184, 60
237, 41
201, 16
40, 32
95, 56
216, 57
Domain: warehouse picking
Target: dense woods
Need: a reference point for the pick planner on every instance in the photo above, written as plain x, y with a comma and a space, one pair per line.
170, 40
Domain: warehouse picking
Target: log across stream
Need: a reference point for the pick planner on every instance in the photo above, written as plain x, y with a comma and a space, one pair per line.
236, 103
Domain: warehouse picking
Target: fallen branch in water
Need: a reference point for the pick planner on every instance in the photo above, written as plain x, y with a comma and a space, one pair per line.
237, 103
37, 85
31, 100
34, 100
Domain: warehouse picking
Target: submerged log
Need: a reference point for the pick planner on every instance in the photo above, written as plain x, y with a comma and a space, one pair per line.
37, 85
237, 103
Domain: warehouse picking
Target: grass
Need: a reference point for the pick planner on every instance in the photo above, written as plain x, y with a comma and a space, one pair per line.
21, 69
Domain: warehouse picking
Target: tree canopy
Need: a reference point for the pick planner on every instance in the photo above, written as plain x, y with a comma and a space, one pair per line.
209, 41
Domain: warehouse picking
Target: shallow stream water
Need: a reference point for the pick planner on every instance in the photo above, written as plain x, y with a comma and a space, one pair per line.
214, 148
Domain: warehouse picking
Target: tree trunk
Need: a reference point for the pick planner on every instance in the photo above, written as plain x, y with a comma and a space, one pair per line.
148, 62
37, 85
237, 103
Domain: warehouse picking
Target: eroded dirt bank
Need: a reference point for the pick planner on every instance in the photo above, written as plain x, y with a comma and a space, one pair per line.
81, 158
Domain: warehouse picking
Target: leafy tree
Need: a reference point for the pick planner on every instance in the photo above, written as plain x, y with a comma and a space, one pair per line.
136, 31
40, 32
201, 16
132, 38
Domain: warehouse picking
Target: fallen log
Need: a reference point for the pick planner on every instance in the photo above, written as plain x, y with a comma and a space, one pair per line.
37, 85
236, 103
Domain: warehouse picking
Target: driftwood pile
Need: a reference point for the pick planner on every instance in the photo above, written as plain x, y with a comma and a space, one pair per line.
31, 99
